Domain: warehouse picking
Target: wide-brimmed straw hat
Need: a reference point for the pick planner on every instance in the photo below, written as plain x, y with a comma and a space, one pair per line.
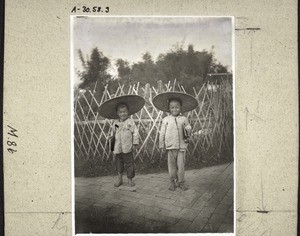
108, 109
188, 102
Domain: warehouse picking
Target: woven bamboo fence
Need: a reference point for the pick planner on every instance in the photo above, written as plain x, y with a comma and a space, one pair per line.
212, 125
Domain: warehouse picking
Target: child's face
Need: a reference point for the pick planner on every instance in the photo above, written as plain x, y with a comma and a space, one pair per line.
122, 112
174, 107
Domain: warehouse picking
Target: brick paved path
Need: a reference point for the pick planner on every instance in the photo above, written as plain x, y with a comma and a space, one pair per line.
150, 207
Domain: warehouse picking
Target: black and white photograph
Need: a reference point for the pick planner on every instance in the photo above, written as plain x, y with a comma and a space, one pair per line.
153, 124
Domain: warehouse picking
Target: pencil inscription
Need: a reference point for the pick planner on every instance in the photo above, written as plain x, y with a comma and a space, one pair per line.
58, 222
11, 143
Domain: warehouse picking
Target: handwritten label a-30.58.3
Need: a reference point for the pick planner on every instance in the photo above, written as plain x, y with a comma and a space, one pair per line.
11, 140
86, 9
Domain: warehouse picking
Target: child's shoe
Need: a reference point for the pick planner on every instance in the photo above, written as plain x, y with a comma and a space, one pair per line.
172, 186
183, 187
131, 183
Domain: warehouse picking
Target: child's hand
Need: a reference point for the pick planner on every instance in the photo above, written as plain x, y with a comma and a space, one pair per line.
188, 129
162, 150
187, 140
134, 148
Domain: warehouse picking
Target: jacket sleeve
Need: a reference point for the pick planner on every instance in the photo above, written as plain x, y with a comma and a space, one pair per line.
135, 133
187, 126
187, 123
162, 134
112, 130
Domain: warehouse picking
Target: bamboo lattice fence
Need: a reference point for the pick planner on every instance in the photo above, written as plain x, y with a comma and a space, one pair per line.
212, 125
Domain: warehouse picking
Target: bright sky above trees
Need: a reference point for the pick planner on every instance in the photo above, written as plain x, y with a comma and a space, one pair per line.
130, 37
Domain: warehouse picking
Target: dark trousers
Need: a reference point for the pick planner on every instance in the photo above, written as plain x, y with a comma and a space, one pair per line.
125, 160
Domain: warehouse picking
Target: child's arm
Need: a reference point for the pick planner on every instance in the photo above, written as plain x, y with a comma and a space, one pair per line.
135, 135
112, 131
162, 134
135, 132
187, 126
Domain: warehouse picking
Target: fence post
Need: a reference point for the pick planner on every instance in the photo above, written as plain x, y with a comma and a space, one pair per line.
147, 91
173, 89
159, 86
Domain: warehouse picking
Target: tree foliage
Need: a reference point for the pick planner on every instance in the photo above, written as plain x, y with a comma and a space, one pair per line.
94, 70
188, 66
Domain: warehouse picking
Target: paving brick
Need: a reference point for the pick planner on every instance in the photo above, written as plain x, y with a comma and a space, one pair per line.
127, 188
199, 205
160, 218
169, 207
222, 209
143, 209
188, 215
163, 195
197, 225
115, 210
229, 196
119, 194
111, 200
181, 197
128, 198
220, 193
228, 218
192, 198
109, 188
80, 207
102, 204
128, 204
217, 197
147, 202
200, 218
217, 218
228, 201
212, 203
206, 196
137, 219
225, 228
87, 200
155, 189
166, 190
144, 196
164, 200
151, 184
146, 191
208, 209
206, 212
180, 226
174, 214
186, 204
160, 205
211, 227
104, 179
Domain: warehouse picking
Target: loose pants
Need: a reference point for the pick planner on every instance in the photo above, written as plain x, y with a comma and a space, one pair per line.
125, 160
176, 161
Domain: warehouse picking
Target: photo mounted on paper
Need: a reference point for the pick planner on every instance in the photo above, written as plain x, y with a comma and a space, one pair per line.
153, 130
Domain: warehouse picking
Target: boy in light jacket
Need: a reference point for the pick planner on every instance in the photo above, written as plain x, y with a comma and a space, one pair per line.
173, 133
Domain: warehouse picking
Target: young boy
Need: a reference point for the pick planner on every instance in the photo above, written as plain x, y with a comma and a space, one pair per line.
124, 132
173, 132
